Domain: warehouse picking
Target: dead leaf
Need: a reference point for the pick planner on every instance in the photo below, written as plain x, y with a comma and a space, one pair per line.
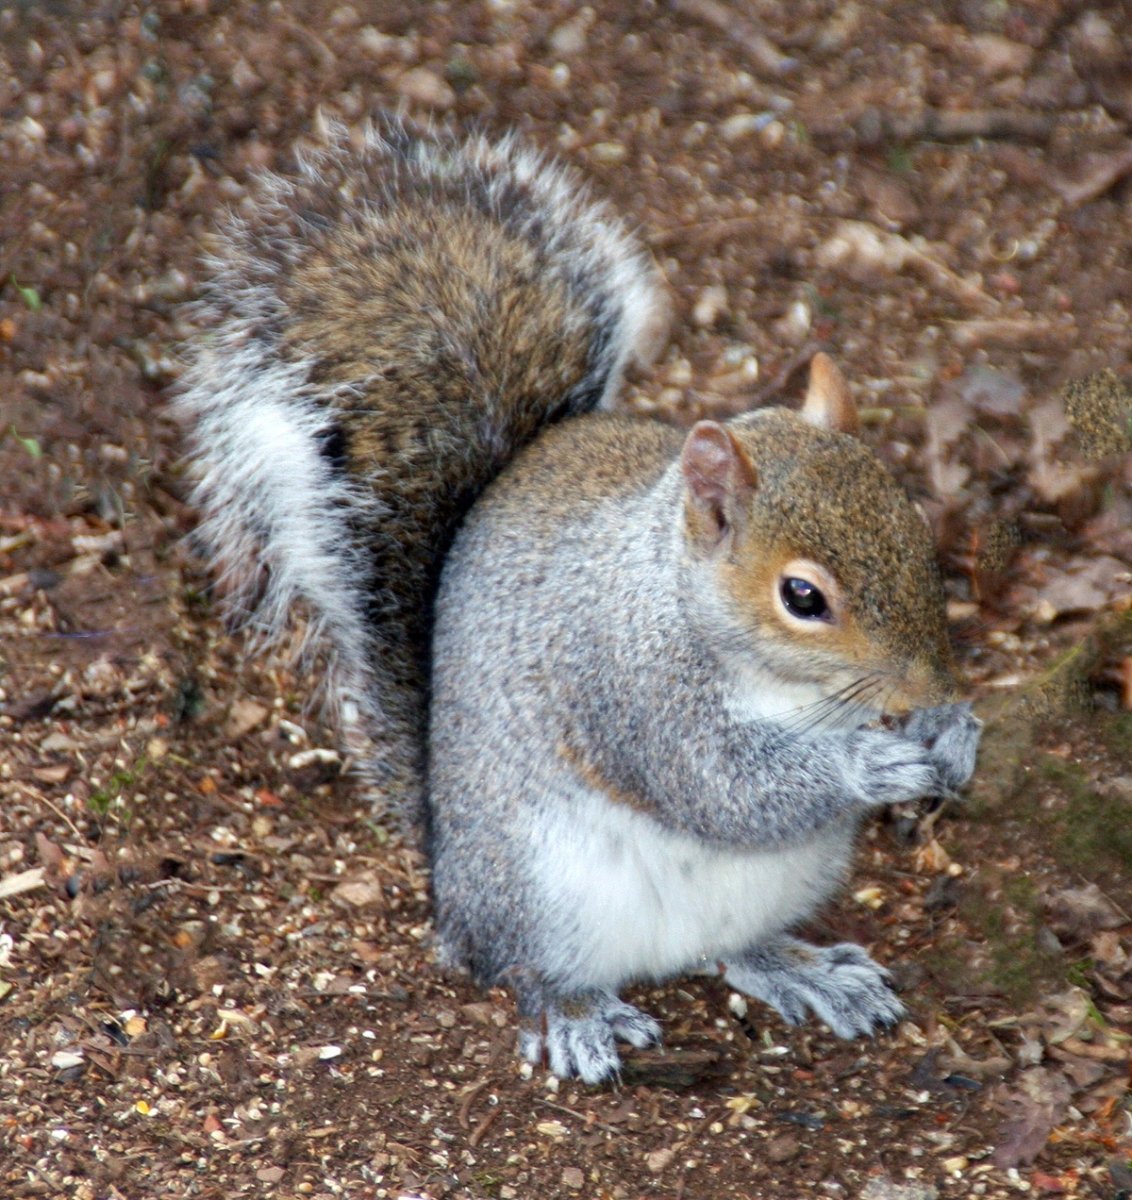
552, 1129
1093, 177
956, 1061
1067, 1014
360, 890
659, 1160
870, 255
480, 1012
56, 774
1109, 953
1057, 477
244, 715
56, 865
783, 1148
366, 952
1050, 1184
1105, 1053
1083, 1072
990, 392
1035, 1106
1084, 585
884, 1188
1110, 531
1082, 911
948, 420
945, 425
574, 1178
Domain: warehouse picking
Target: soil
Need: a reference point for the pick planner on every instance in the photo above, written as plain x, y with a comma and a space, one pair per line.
216, 970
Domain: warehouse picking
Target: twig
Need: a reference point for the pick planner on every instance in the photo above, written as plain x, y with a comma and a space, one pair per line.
313, 42
1010, 331
954, 125
738, 28
874, 126
1117, 1055
578, 1116
54, 808
778, 383
466, 1102
475, 1137
703, 233
24, 881
1094, 183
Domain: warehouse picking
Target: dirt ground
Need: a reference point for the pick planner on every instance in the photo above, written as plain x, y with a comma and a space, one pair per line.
216, 973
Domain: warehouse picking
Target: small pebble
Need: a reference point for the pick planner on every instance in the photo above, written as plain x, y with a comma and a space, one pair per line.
710, 306
423, 86
573, 1178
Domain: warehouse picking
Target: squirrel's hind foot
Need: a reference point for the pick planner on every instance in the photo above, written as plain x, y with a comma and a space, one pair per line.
841, 985
576, 1035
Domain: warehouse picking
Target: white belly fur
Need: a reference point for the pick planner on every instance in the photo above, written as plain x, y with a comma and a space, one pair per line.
633, 900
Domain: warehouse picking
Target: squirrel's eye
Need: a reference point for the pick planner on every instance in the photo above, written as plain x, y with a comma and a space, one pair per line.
802, 599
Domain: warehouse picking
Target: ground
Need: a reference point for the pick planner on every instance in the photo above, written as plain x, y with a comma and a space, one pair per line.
216, 968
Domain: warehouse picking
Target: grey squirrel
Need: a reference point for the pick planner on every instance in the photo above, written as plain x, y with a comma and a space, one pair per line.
653, 665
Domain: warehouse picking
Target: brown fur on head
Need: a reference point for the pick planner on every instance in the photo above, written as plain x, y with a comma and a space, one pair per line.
819, 553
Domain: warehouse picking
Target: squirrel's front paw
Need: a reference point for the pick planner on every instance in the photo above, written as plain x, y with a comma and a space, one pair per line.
576, 1036
950, 734
890, 768
840, 985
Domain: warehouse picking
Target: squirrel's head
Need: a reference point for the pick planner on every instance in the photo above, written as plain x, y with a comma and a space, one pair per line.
818, 552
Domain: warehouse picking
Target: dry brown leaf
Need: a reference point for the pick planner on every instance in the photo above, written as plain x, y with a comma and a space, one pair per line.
946, 423
1035, 1105
360, 890
1066, 1014
244, 715
869, 255
1082, 911
1084, 586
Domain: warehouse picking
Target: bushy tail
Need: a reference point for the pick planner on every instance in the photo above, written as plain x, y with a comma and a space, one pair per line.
387, 327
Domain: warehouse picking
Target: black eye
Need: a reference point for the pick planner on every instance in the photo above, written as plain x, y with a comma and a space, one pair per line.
802, 599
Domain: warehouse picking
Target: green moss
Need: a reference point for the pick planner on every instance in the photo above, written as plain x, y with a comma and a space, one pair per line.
461, 73
1021, 892
1016, 964
1019, 968
1117, 736
1006, 914
1090, 833
899, 159
949, 963
488, 1182
188, 700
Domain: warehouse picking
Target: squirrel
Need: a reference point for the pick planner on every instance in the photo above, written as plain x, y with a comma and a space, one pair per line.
643, 684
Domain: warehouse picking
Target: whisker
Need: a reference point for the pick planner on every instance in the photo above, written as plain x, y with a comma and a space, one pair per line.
837, 710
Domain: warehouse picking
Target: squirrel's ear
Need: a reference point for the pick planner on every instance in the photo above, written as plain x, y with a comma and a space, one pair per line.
828, 404
720, 480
